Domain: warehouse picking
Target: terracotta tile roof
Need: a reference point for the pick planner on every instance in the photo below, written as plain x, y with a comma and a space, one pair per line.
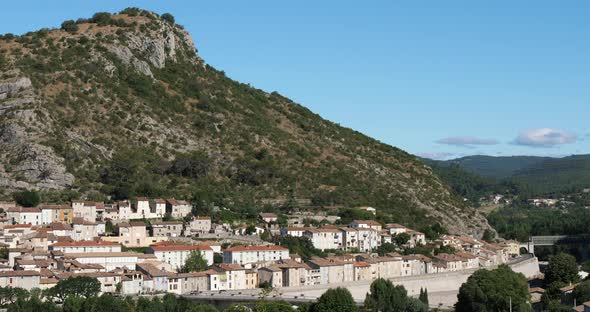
202, 218
75, 255
58, 226
19, 273
85, 244
394, 226
229, 267
54, 207
368, 222
159, 201
179, 247
18, 226
361, 264
256, 248
24, 209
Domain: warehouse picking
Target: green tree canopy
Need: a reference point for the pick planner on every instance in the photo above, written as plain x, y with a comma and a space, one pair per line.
80, 286
561, 268
168, 17
402, 238
386, 297
27, 198
69, 26
492, 290
195, 262
335, 300
582, 292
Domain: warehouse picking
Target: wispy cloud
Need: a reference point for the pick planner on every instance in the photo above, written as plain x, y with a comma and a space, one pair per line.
437, 155
544, 137
466, 141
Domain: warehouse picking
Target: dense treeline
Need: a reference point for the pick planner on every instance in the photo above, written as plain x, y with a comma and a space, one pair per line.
522, 221
384, 297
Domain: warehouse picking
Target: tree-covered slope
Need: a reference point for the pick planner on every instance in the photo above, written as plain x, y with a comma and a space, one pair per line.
494, 166
122, 106
556, 175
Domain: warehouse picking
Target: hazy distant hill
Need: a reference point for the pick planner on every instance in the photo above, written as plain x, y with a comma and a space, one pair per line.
122, 106
556, 174
494, 167
536, 175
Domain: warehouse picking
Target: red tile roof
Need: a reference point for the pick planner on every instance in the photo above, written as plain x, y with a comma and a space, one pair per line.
179, 247
85, 243
256, 248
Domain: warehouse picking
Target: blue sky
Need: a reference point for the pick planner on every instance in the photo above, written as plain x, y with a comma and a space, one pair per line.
438, 78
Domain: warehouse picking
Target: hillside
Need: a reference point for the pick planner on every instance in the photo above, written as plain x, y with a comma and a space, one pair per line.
118, 106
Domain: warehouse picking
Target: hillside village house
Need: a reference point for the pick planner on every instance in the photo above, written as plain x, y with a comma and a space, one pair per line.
108, 260
371, 224
22, 279
85, 247
133, 234
395, 229
178, 208
369, 209
268, 217
251, 254
56, 213
85, 210
200, 224
24, 215
176, 255
324, 238
167, 228
84, 230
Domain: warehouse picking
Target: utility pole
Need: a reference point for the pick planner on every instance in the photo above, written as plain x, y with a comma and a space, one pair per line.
510, 299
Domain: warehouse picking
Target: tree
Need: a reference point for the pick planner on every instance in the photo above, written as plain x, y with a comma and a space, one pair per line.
195, 262
402, 238
488, 236
386, 297
561, 268
582, 292
423, 296
385, 248
69, 26
80, 286
168, 17
27, 198
9, 295
493, 290
335, 300
273, 306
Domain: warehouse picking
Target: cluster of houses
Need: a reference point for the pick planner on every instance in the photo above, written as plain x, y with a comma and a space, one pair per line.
53, 242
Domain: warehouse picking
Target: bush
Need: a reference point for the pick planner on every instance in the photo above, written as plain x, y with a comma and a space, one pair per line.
132, 11
101, 18
27, 198
168, 17
69, 26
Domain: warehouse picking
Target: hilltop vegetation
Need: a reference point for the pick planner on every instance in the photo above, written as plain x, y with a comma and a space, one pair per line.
118, 106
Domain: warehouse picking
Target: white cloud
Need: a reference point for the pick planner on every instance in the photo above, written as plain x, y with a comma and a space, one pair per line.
466, 141
436, 155
544, 137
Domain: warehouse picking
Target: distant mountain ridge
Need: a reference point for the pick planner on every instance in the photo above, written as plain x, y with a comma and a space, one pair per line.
538, 175
494, 166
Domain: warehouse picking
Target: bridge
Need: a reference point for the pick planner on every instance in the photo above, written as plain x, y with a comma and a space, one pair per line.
550, 240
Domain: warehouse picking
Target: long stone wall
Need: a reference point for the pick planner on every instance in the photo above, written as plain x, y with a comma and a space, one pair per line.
442, 287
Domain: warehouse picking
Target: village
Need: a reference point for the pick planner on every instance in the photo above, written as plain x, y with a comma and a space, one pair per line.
130, 249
